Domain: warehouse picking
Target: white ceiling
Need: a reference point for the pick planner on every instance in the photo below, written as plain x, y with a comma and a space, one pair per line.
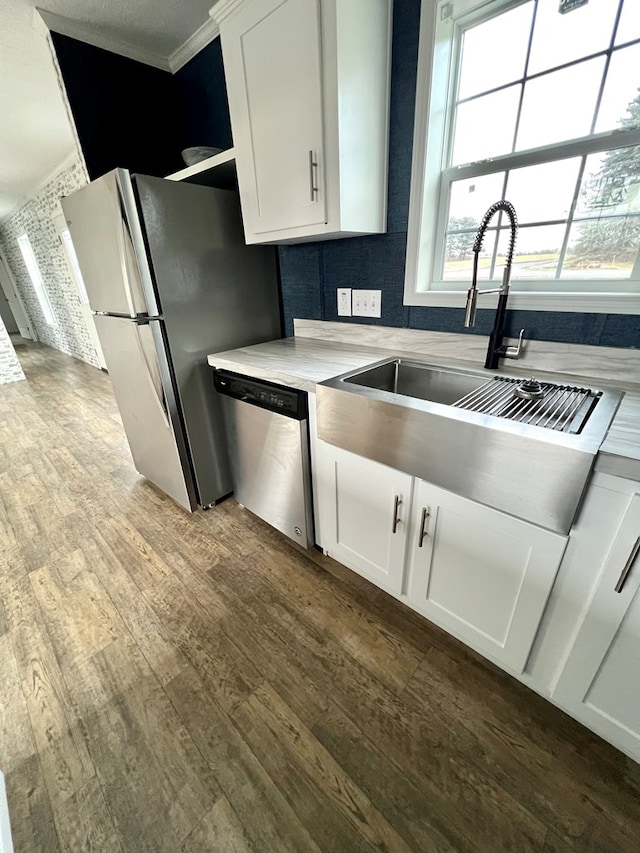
35, 133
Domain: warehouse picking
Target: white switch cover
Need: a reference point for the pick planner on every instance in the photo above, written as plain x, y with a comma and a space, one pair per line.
366, 303
344, 301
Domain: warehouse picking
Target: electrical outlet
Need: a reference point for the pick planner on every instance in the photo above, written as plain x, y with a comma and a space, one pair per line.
344, 301
366, 303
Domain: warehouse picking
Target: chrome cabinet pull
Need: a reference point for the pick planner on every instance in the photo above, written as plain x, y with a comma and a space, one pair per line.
423, 519
626, 571
397, 502
313, 165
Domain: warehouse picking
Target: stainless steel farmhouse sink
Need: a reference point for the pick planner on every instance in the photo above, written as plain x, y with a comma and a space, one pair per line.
521, 446
415, 380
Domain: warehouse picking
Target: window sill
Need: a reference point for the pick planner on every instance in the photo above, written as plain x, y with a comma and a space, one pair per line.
583, 303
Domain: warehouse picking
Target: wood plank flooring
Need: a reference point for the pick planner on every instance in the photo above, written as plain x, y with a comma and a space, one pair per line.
195, 683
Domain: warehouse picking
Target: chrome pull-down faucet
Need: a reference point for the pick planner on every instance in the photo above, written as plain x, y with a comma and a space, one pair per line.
496, 350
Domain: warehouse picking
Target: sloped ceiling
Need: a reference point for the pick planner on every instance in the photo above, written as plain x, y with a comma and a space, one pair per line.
35, 133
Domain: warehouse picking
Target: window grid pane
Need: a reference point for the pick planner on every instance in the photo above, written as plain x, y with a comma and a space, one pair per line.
588, 241
477, 139
432, 204
512, 31
560, 105
620, 91
598, 237
554, 40
573, 72
36, 279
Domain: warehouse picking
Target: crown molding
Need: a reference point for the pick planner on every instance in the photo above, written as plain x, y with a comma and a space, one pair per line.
75, 29
40, 24
224, 8
203, 36
65, 163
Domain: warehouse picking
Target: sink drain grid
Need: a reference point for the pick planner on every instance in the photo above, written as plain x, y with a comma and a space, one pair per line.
564, 408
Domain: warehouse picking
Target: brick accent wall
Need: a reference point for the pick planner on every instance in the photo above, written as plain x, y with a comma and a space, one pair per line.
35, 218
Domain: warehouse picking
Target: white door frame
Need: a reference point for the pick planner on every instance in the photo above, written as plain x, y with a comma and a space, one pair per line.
8, 284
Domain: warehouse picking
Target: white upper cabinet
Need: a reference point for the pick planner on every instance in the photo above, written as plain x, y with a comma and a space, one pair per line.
600, 682
278, 113
308, 88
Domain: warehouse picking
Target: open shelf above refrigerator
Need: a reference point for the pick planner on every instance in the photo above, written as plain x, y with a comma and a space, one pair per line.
218, 171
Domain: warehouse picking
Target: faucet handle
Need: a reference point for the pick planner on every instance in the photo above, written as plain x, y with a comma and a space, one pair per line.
514, 352
470, 310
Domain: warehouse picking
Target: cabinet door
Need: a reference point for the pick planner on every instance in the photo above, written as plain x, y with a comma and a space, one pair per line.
600, 682
482, 575
368, 530
273, 63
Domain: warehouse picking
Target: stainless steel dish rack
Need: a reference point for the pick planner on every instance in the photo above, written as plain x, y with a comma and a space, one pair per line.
564, 408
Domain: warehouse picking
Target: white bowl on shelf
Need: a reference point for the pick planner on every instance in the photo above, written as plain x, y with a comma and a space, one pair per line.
194, 155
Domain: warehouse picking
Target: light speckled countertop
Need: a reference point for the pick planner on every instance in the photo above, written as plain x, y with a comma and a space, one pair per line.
301, 362
297, 362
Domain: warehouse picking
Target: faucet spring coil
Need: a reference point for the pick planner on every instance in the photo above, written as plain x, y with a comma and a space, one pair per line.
509, 209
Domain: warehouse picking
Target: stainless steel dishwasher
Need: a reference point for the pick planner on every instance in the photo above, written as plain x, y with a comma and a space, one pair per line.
268, 442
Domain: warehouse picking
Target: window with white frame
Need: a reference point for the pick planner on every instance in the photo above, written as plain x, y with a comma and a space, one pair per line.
70, 252
517, 100
36, 279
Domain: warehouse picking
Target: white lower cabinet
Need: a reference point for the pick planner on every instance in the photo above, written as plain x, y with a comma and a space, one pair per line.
600, 681
480, 574
367, 508
486, 578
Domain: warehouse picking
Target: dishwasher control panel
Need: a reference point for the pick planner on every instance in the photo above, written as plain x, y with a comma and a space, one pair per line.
258, 392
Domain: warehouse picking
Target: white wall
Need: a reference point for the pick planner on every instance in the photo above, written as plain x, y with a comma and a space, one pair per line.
35, 218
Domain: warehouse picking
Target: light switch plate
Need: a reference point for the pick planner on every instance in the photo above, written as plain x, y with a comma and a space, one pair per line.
344, 301
366, 303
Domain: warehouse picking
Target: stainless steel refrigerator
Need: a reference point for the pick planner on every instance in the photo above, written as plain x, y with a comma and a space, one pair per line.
171, 280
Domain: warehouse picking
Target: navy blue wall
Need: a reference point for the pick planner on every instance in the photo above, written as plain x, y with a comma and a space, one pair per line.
201, 95
125, 112
312, 272
132, 115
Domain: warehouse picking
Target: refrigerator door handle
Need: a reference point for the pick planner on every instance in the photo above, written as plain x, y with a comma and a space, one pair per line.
154, 380
126, 257
137, 254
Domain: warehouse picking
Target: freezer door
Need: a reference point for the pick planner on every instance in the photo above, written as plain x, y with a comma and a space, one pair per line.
106, 235
215, 293
158, 451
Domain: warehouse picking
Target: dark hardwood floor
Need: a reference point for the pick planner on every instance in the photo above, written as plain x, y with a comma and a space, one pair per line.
193, 683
